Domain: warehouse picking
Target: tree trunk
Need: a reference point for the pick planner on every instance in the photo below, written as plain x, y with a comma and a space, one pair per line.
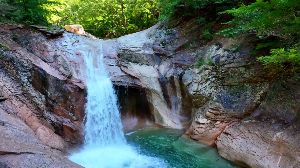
25, 6
123, 12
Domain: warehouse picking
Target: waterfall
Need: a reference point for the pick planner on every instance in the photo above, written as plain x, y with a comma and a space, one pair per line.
105, 145
103, 124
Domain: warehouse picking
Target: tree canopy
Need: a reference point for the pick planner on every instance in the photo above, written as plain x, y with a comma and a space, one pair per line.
274, 23
111, 18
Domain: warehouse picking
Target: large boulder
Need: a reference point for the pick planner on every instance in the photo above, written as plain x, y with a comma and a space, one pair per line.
221, 91
21, 147
269, 136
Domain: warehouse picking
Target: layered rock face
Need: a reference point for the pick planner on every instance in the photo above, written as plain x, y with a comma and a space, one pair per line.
21, 147
269, 136
41, 107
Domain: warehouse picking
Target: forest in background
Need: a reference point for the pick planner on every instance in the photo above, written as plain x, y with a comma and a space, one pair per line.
102, 18
274, 23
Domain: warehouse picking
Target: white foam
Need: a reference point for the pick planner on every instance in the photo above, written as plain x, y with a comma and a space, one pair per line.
105, 145
115, 157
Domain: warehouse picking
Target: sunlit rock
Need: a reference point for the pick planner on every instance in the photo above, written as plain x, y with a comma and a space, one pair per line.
76, 28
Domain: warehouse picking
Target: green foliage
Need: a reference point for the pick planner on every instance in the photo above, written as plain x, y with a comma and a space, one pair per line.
15, 38
276, 23
271, 18
210, 62
207, 35
186, 46
191, 8
271, 44
25, 11
280, 57
69, 76
202, 62
201, 20
3, 46
236, 47
205, 12
109, 18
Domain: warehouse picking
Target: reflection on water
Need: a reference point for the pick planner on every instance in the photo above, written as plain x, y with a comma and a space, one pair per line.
176, 150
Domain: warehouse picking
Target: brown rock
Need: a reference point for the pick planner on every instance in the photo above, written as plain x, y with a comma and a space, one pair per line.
260, 145
49, 31
21, 148
76, 28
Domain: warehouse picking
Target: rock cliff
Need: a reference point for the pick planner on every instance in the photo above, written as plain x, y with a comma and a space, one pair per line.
38, 110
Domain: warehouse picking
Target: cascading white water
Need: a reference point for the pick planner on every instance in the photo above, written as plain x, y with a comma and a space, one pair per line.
103, 123
105, 145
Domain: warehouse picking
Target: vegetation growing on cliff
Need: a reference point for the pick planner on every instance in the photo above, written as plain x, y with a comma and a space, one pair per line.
275, 23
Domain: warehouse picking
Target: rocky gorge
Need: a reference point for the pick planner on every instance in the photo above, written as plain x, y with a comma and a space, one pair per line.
220, 96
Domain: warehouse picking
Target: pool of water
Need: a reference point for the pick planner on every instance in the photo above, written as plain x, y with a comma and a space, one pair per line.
175, 149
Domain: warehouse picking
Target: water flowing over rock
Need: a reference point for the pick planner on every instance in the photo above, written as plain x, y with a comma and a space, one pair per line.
103, 126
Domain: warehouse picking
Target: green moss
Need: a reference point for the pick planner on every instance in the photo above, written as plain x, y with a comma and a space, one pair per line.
4, 47
236, 47
186, 46
201, 62
15, 38
69, 76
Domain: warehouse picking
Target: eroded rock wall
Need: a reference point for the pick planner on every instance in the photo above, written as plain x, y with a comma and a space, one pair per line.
269, 136
41, 108
227, 97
